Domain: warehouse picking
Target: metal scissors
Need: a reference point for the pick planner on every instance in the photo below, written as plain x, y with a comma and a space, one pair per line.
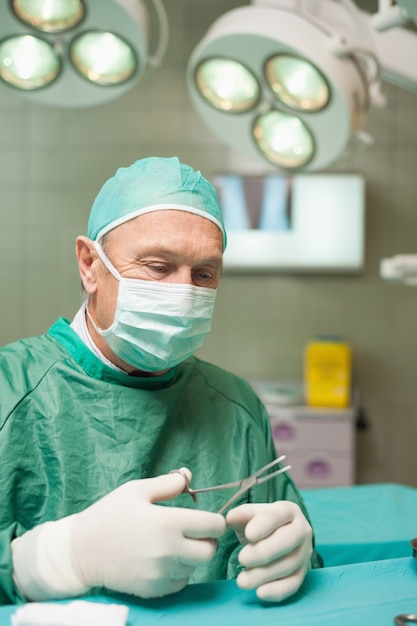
260, 476
407, 618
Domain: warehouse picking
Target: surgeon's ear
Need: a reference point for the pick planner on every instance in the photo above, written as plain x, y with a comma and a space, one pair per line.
86, 255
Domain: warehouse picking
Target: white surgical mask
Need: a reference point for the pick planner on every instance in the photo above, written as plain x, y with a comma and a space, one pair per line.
157, 325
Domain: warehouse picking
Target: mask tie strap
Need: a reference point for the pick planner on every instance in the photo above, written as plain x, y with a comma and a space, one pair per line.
112, 271
106, 261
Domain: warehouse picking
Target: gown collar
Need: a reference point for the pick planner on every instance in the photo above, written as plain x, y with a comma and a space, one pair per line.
95, 367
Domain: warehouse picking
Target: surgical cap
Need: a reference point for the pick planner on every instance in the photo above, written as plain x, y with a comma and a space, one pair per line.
153, 184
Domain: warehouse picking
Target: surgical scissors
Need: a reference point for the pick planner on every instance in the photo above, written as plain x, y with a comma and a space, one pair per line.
402, 620
243, 485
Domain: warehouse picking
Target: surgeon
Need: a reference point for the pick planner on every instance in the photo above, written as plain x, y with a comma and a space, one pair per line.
97, 413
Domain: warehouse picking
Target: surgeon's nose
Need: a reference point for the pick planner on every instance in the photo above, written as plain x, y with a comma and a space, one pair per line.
183, 276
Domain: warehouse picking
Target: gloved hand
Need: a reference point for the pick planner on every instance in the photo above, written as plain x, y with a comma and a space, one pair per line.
277, 542
124, 542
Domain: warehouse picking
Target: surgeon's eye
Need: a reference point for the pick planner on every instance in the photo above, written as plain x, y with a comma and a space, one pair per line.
204, 278
158, 269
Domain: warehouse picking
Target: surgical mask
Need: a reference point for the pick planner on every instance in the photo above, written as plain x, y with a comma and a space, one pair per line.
157, 325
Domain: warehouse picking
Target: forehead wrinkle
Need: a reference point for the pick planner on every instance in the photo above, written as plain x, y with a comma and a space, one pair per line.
174, 235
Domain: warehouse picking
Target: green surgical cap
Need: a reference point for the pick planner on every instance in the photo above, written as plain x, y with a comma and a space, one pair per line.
153, 184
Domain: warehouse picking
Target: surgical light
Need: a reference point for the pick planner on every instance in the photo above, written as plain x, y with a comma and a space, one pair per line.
28, 62
227, 84
50, 17
315, 71
79, 53
283, 139
297, 83
103, 57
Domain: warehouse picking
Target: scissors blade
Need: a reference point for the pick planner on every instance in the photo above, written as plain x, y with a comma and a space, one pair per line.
242, 485
265, 468
248, 483
194, 492
238, 483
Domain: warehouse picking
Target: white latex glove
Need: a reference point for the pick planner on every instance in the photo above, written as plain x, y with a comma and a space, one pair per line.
124, 542
277, 542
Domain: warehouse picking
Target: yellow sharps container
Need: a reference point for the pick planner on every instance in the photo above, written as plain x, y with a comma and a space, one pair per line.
327, 372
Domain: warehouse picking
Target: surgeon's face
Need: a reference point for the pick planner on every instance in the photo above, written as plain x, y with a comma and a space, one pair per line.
168, 246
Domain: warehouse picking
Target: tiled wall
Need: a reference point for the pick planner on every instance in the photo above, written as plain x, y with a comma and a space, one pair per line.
52, 162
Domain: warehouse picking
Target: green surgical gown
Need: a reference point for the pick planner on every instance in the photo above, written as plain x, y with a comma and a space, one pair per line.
72, 430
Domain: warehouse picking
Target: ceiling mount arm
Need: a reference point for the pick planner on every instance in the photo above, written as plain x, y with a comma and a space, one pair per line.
389, 15
396, 50
155, 58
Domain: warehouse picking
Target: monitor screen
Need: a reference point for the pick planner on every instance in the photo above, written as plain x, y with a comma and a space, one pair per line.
302, 222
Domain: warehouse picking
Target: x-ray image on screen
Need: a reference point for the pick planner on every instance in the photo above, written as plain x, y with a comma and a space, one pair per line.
302, 222
255, 202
